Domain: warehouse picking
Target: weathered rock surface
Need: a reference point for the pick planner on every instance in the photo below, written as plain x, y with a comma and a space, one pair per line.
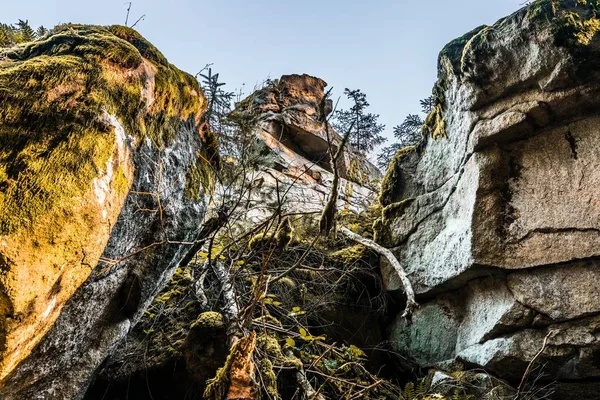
497, 218
301, 172
99, 183
287, 112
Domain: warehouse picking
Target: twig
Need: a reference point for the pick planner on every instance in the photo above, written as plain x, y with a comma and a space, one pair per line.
530, 365
128, 9
411, 303
310, 392
138, 20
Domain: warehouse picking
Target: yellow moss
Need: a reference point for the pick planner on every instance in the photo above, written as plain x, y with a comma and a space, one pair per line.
350, 255
434, 123
269, 379
53, 92
200, 177
268, 319
393, 176
120, 181
270, 346
208, 320
287, 282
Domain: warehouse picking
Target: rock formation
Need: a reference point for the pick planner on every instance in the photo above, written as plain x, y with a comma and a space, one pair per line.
100, 180
167, 345
287, 112
496, 215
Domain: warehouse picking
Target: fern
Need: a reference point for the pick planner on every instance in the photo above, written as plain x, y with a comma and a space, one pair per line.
424, 385
409, 391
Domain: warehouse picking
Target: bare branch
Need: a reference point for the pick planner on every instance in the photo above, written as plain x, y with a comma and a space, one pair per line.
411, 303
530, 365
138, 20
128, 9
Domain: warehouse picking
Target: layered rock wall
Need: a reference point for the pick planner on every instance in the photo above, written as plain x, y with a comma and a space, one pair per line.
288, 122
497, 217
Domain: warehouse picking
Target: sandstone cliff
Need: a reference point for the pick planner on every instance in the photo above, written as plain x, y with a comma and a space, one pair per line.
496, 215
100, 178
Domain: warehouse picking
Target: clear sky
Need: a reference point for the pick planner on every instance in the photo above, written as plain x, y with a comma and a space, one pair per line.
386, 48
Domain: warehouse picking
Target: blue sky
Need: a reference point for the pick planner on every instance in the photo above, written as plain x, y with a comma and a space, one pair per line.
386, 48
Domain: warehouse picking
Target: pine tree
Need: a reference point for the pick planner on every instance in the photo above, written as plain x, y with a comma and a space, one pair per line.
366, 130
427, 104
408, 133
41, 31
24, 32
21, 32
219, 107
7, 35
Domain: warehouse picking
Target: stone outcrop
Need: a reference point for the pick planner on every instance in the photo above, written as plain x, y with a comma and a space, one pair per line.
100, 180
287, 112
298, 159
496, 214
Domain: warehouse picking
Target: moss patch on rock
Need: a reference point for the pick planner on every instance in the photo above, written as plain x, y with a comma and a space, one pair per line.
392, 176
573, 23
54, 92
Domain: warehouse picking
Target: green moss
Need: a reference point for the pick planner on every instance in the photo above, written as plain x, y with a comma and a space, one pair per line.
435, 125
269, 379
270, 346
395, 209
542, 10
475, 49
453, 51
208, 320
350, 255
53, 93
393, 177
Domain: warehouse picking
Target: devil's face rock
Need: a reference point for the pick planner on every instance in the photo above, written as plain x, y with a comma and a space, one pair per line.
99, 146
498, 215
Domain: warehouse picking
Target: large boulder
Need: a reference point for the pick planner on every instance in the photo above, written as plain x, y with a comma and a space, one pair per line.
100, 182
496, 214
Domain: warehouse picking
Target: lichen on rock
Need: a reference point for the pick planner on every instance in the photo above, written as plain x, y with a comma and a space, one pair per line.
491, 221
91, 120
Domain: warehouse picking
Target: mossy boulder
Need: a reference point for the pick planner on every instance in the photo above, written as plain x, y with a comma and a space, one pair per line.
100, 145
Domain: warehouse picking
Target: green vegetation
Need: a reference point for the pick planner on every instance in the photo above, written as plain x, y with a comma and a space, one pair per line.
21, 32
55, 91
393, 177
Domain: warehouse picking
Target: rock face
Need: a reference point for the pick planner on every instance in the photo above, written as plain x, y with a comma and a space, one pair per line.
497, 217
99, 181
287, 111
166, 346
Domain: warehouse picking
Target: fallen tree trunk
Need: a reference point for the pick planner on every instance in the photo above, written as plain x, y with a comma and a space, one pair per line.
411, 303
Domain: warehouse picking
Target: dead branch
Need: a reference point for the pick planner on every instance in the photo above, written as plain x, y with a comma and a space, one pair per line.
530, 365
231, 310
330, 210
138, 20
411, 303
302, 380
128, 9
